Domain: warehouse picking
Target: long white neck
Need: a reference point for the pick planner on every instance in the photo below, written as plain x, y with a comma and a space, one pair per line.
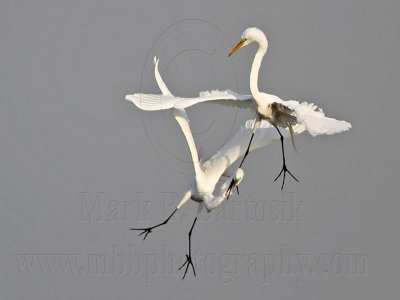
254, 73
182, 119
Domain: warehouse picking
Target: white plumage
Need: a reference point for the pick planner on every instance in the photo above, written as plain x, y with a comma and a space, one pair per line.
207, 174
305, 114
276, 119
266, 106
152, 102
283, 113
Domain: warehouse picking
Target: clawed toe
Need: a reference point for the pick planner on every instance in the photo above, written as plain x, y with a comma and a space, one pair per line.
285, 170
145, 231
188, 263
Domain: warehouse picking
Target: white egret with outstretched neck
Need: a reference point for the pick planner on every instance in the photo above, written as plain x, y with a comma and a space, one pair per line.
281, 113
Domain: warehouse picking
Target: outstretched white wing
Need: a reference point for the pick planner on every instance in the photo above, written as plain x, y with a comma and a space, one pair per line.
312, 117
153, 102
237, 145
159, 102
315, 120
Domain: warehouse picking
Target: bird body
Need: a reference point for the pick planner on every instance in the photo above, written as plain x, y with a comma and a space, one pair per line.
207, 174
305, 113
283, 114
275, 120
279, 113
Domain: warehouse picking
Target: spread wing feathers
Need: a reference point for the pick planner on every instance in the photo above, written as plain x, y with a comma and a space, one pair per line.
153, 102
314, 118
237, 145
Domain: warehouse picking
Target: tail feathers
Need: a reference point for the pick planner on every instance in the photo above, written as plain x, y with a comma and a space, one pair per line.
292, 136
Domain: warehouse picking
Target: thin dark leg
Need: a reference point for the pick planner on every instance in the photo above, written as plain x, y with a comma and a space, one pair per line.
189, 256
247, 150
241, 163
148, 230
284, 168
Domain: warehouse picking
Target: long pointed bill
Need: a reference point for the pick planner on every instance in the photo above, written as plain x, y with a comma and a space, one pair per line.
238, 46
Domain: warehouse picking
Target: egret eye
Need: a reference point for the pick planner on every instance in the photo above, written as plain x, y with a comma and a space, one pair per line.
244, 39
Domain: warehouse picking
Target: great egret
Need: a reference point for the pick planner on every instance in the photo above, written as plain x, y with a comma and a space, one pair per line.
281, 113
207, 174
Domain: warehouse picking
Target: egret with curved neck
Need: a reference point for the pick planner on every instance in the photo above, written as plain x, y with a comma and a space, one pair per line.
268, 106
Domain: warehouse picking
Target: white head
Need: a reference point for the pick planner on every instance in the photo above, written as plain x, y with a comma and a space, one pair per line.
238, 176
250, 35
212, 202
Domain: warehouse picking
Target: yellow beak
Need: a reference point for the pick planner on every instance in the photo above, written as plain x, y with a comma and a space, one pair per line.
238, 46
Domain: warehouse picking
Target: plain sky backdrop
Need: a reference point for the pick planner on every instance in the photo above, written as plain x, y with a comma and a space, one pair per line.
79, 165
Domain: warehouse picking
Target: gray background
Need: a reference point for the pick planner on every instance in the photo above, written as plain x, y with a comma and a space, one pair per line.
67, 137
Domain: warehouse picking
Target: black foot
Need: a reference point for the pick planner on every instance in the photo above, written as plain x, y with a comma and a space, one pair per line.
188, 263
145, 231
148, 230
284, 170
228, 191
